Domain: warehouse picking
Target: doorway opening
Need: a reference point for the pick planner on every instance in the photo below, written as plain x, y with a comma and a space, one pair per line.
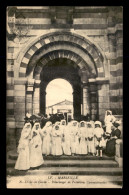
59, 98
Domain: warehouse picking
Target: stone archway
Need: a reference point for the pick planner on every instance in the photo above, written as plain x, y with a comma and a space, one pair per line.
61, 68
84, 56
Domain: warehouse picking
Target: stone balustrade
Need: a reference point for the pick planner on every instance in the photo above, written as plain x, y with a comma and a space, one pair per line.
119, 152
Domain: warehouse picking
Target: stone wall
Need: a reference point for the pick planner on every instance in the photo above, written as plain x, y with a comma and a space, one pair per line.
103, 26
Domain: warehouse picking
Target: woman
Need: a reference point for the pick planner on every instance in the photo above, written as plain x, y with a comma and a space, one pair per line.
109, 119
90, 132
115, 134
98, 134
23, 160
83, 138
56, 141
36, 158
46, 134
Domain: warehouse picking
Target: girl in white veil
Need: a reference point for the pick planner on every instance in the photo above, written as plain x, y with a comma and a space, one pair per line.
56, 141
83, 138
73, 130
36, 158
46, 135
90, 131
36, 127
66, 141
23, 160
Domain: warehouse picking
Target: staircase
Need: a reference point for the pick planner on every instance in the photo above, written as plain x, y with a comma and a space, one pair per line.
102, 169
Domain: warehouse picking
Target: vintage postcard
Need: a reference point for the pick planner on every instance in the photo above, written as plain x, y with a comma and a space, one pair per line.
64, 97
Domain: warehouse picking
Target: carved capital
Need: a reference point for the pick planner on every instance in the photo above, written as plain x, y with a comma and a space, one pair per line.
37, 83
30, 82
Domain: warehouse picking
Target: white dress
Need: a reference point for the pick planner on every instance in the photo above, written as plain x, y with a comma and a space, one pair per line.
46, 145
36, 158
109, 119
83, 142
56, 142
77, 136
98, 132
23, 160
73, 140
66, 143
91, 145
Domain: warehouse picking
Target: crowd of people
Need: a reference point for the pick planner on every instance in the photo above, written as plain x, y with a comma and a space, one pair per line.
60, 138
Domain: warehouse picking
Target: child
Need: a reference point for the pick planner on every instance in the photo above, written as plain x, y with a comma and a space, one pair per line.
36, 127
46, 133
56, 141
98, 133
83, 138
23, 160
66, 143
36, 158
90, 132
74, 142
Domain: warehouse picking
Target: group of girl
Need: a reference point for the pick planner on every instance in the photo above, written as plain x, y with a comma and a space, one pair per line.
74, 138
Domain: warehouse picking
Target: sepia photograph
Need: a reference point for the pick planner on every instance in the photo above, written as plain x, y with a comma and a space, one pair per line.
64, 97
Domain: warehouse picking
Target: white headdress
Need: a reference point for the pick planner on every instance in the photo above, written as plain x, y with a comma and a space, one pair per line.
48, 123
63, 121
74, 121
106, 114
27, 128
81, 122
34, 128
57, 123
98, 123
91, 123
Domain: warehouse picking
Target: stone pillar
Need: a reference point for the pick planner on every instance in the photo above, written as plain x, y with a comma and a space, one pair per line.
94, 101
19, 105
86, 100
43, 98
10, 120
103, 99
36, 97
19, 101
76, 103
29, 96
119, 152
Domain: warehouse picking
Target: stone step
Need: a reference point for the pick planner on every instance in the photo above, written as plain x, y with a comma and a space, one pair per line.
105, 171
77, 171
13, 156
73, 163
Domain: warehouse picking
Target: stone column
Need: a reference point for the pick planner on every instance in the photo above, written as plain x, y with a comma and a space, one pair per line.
76, 103
43, 98
36, 97
19, 101
19, 105
103, 98
86, 100
119, 152
94, 101
10, 120
29, 96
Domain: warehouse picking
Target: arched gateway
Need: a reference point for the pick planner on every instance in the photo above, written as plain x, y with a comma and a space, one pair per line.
62, 55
